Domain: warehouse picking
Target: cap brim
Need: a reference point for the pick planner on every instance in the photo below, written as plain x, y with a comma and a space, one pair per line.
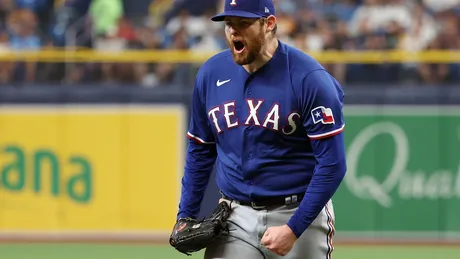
221, 17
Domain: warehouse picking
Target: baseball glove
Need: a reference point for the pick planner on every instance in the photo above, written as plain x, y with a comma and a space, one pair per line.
190, 235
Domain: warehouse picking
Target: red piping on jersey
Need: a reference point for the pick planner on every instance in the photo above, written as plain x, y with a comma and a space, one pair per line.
329, 135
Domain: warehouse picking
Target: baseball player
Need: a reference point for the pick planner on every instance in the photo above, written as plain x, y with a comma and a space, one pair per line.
270, 118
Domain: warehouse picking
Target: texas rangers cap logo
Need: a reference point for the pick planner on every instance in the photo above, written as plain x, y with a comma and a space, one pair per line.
323, 115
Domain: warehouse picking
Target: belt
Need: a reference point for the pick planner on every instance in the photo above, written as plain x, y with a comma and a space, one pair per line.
269, 202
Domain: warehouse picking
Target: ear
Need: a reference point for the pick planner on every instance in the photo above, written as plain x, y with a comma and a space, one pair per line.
271, 22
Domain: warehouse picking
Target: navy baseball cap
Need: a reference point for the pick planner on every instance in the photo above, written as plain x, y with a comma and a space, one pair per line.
246, 9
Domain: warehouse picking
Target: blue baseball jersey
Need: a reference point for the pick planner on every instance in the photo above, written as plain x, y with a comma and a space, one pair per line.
274, 132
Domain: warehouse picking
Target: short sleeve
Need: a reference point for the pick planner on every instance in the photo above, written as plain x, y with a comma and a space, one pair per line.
199, 128
321, 101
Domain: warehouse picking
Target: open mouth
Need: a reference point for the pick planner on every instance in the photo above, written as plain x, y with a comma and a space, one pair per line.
238, 46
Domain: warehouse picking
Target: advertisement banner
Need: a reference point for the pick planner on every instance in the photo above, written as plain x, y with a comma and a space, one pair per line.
90, 168
403, 172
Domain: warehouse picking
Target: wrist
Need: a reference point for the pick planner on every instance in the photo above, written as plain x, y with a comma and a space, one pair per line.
289, 229
295, 230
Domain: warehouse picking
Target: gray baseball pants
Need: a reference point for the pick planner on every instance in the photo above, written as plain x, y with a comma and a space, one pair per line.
248, 226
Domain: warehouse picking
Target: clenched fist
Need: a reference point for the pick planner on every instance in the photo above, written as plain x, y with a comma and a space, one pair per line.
279, 240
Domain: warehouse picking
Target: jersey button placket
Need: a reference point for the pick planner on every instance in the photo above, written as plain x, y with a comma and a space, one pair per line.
248, 82
248, 156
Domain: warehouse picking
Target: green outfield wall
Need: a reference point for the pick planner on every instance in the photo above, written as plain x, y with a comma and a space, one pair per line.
403, 176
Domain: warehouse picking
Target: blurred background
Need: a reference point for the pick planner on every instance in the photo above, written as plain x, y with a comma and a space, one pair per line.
94, 107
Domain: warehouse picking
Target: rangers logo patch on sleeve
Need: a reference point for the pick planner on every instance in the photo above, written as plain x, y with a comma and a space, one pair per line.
323, 115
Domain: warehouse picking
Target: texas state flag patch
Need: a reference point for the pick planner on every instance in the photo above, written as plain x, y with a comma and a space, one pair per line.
323, 115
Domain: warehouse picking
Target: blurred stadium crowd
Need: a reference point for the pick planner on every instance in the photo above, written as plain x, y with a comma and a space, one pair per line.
312, 25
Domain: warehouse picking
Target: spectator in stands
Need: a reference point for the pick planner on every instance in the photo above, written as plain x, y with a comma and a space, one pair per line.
336, 39
379, 15
421, 32
448, 38
105, 16
210, 36
23, 35
6, 67
6, 7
